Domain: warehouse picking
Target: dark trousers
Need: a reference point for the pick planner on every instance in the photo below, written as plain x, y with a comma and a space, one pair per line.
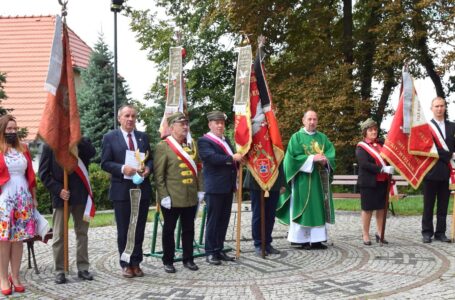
218, 215
269, 209
122, 210
433, 190
171, 216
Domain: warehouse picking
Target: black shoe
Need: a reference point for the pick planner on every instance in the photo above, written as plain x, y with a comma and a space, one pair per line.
271, 250
169, 268
225, 257
442, 238
213, 260
378, 239
305, 246
318, 246
367, 243
85, 275
258, 252
297, 245
60, 278
191, 265
426, 239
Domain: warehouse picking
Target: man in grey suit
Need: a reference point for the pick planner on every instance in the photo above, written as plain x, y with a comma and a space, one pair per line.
114, 148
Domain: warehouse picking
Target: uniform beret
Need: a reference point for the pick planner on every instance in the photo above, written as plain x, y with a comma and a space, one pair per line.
216, 115
368, 123
176, 117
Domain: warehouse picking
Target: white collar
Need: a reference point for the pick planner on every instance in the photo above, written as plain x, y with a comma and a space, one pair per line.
309, 133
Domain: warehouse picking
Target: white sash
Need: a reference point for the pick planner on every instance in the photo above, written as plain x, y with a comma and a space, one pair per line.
182, 153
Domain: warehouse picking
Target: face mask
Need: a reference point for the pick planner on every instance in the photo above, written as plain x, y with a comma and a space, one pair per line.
11, 137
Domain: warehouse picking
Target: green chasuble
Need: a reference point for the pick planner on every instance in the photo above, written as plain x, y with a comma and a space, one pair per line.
308, 207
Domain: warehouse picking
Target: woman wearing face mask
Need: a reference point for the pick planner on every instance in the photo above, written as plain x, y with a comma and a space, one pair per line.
372, 180
17, 204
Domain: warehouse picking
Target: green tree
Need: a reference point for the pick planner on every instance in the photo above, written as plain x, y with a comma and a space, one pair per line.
95, 96
2, 93
343, 60
210, 53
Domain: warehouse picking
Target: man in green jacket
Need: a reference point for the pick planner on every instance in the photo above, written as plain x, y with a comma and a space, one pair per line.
179, 185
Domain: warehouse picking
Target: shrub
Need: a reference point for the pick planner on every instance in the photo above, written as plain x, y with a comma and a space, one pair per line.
99, 181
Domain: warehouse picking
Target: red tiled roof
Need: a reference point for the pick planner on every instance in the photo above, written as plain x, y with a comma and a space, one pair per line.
25, 45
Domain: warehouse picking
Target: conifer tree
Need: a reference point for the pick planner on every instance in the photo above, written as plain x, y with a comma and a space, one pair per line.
95, 97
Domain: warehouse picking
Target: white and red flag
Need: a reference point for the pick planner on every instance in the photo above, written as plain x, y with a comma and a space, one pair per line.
60, 124
409, 145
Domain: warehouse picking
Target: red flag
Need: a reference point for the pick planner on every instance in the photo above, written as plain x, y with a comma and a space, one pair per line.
60, 124
267, 151
413, 154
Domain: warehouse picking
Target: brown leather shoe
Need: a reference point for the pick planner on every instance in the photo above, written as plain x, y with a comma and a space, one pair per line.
137, 271
128, 272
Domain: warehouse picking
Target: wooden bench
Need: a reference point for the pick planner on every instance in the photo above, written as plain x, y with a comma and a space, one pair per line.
351, 180
31, 249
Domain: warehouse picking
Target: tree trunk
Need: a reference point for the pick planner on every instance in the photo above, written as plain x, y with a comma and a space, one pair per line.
421, 43
347, 35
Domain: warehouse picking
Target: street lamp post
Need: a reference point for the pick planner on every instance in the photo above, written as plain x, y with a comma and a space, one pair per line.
116, 7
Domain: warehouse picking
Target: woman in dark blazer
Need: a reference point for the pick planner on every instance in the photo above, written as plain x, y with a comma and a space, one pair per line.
372, 180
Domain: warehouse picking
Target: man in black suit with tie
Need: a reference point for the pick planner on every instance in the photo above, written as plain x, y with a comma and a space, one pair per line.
220, 172
114, 147
436, 182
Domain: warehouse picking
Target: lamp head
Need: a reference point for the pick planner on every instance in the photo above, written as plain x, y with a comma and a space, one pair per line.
117, 5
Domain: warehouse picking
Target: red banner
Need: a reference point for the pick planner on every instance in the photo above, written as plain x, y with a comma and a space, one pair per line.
60, 124
266, 152
413, 154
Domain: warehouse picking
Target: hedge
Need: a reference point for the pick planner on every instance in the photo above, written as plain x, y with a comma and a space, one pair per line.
100, 187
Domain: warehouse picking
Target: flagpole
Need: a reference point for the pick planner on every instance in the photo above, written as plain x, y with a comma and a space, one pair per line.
262, 224
239, 211
386, 208
453, 220
65, 224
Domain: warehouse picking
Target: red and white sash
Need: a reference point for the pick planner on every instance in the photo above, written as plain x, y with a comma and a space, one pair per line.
440, 141
220, 143
393, 191
82, 172
186, 158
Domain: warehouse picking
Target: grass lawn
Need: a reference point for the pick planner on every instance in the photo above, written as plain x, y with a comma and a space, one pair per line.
408, 206
103, 219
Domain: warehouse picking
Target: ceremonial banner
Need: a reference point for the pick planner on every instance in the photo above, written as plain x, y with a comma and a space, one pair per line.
266, 152
413, 154
242, 131
175, 91
60, 125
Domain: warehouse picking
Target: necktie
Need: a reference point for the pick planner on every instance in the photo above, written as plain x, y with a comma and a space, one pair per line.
130, 142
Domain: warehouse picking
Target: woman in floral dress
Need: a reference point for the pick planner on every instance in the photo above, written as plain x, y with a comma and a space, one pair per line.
17, 203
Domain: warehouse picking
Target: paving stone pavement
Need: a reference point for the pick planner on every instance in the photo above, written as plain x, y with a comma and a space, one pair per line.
404, 269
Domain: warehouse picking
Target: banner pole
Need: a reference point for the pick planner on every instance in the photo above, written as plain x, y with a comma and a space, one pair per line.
386, 209
262, 224
65, 224
453, 219
239, 211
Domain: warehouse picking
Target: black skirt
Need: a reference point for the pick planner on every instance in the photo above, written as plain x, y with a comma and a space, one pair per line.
373, 198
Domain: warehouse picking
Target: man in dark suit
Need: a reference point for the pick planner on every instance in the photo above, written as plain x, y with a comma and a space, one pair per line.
220, 173
114, 148
51, 174
436, 182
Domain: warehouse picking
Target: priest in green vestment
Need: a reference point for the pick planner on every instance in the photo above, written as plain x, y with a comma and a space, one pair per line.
307, 204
